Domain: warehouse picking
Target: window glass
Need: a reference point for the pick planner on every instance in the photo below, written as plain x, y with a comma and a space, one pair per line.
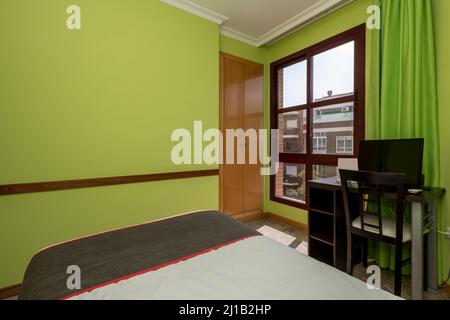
292, 85
292, 126
320, 171
320, 142
344, 145
332, 129
291, 181
333, 72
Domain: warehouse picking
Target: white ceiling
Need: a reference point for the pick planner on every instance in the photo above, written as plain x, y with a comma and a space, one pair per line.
256, 17
259, 22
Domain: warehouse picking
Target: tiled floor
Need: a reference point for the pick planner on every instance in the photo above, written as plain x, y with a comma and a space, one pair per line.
387, 276
299, 235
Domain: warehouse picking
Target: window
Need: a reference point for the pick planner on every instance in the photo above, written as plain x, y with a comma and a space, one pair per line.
293, 81
320, 142
317, 104
324, 172
292, 126
344, 145
333, 79
330, 122
291, 182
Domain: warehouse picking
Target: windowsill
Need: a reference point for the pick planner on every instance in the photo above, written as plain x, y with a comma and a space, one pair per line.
290, 202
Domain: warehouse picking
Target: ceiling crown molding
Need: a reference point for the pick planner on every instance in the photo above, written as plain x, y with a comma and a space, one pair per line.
197, 10
304, 18
236, 35
317, 11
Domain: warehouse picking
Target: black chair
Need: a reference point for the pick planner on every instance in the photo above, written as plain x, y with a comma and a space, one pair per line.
362, 190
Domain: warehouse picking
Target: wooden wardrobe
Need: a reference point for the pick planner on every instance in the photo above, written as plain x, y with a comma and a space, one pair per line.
241, 106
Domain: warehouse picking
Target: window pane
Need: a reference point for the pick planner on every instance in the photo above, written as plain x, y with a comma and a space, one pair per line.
332, 129
290, 182
334, 72
292, 126
320, 171
344, 145
292, 85
320, 143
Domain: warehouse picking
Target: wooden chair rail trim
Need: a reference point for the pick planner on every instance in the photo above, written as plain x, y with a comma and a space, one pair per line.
100, 182
9, 292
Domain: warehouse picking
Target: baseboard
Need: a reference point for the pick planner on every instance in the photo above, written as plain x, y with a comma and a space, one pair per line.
446, 288
249, 216
9, 292
293, 223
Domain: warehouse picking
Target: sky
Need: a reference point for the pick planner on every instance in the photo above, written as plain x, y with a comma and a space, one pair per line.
332, 70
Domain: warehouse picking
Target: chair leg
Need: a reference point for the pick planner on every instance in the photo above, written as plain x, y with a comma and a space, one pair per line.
425, 262
349, 254
365, 252
398, 270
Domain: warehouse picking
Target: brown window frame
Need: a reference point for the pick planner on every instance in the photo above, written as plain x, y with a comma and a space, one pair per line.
358, 35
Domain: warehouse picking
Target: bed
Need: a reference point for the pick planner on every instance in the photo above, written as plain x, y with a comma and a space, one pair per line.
195, 256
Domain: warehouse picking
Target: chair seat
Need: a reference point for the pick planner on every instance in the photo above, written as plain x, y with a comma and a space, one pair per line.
388, 227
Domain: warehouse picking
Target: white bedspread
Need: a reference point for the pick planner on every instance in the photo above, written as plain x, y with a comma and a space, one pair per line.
252, 269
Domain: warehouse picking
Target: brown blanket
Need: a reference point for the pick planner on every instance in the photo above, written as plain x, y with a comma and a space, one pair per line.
109, 257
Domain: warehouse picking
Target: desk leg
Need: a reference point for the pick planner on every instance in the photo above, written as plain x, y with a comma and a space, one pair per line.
417, 251
431, 257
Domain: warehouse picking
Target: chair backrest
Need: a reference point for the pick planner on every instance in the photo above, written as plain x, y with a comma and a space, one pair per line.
370, 187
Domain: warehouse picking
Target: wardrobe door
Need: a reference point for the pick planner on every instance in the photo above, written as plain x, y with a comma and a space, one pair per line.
241, 107
232, 111
253, 119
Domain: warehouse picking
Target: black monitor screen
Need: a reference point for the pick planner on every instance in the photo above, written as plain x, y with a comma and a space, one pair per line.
398, 156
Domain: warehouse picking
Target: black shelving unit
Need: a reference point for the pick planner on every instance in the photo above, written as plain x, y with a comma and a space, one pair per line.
327, 227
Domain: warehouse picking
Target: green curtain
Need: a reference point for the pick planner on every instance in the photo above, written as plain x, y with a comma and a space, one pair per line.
403, 91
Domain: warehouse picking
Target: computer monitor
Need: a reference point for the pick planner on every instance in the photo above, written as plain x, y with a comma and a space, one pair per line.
397, 156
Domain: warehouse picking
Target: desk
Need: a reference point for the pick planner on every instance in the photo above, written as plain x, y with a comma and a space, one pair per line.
325, 199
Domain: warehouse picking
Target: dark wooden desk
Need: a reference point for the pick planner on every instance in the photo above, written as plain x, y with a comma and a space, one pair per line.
327, 229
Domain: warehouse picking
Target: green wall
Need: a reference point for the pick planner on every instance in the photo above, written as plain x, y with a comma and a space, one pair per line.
442, 38
102, 101
243, 50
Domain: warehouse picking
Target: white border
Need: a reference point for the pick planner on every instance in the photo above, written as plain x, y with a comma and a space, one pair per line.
317, 11
197, 10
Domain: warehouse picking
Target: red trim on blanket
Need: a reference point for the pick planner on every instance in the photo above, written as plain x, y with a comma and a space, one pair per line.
157, 267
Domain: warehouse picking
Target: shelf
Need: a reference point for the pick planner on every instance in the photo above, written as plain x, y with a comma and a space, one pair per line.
321, 200
321, 227
322, 238
313, 210
327, 223
321, 251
